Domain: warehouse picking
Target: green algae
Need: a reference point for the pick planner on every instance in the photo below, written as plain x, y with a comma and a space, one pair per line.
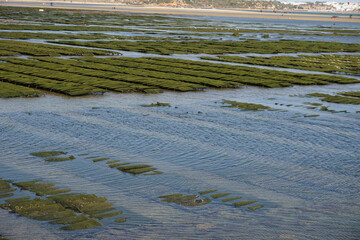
112, 161
90, 223
154, 173
351, 94
17, 200
117, 165
230, 199
140, 170
120, 220
83, 203
136, 169
348, 64
185, 200
157, 104
100, 159
9, 90
219, 195
312, 115
70, 220
245, 106
336, 98
40, 189
91, 157
243, 203
6, 195
60, 159
48, 153
253, 208
106, 215
207, 191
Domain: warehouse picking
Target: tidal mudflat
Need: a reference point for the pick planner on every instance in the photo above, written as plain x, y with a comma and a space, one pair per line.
229, 138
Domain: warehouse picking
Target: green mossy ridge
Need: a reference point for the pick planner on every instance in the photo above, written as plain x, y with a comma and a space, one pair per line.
253, 208
351, 94
245, 106
11, 74
219, 47
206, 192
136, 169
100, 159
38, 209
83, 203
106, 215
313, 104
312, 115
230, 199
40, 189
92, 157
157, 104
90, 223
120, 220
349, 64
154, 173
243, 203
112, 161
185, 200
70, 220
17, 200
5, 189
60, 159
40, 49
48, 153
5, 195
9, 90
219, 195
150, 75
336, 98
117, 165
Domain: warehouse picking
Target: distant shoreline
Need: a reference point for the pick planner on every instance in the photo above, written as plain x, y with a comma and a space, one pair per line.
84, 5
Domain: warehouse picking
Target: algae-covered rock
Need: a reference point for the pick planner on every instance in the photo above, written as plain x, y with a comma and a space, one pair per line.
106, 215
40, 189
185, 200
207, 191
219, 195
157, 104
230, 199
83, 203
60, 159
70, 220
243, 203
100, 159
90, 223
5, 195
48, 154
256, 207
120, 220
245, 106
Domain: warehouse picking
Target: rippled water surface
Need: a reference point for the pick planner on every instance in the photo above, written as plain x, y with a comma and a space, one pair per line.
304, 170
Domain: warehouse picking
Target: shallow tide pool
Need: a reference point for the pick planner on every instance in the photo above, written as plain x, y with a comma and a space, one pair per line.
303, 170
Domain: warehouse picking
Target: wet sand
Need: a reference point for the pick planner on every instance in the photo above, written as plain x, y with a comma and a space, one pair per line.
180, 11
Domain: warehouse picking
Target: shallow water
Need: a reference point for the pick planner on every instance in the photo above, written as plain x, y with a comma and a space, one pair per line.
305, 171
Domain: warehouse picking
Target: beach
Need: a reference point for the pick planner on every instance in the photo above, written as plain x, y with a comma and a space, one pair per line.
181, 11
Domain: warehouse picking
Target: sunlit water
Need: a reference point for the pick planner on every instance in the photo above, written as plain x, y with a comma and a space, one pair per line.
304, 170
